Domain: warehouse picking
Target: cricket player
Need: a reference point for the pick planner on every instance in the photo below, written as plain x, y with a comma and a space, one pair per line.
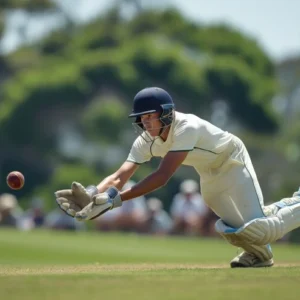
228, 181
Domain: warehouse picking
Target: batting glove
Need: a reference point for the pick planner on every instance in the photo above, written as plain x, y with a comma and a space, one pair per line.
100, 204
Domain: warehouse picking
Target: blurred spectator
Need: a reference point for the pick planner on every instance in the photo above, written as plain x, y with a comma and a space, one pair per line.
188, 209
159, 221
36, 212
9, 210
34, 217
58, 220
131, 216
208, 224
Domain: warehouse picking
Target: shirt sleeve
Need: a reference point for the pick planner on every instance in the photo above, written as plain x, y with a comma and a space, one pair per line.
185, 137
140, 151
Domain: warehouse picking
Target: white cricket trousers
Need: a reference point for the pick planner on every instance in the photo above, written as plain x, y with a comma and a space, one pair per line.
232, 191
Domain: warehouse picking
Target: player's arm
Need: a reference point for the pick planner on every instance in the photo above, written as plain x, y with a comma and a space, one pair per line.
169, 164
118, 178
112, 198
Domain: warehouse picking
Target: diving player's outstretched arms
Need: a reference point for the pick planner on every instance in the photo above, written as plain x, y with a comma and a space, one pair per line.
112, 198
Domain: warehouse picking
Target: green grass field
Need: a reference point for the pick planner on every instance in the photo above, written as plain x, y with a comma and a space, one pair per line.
62, 265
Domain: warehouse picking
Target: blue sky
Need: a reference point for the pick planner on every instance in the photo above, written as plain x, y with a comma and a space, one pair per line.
275, 24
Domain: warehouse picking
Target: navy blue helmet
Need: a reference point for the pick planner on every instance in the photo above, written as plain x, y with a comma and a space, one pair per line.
151, 100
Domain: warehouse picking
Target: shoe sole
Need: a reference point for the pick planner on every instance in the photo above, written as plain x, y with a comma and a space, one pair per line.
260, 265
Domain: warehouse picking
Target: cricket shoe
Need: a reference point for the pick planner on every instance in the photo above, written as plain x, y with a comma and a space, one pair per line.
249, 260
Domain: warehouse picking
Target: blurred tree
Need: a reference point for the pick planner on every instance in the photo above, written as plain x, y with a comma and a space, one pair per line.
106, 118
10, 9
288, 72
31, 7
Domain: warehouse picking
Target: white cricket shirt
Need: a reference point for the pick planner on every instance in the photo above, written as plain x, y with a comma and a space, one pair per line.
207, 144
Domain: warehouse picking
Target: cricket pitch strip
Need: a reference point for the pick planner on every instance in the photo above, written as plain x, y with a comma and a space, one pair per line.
112, 268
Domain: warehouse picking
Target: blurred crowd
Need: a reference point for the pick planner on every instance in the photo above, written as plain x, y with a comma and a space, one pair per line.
187, 215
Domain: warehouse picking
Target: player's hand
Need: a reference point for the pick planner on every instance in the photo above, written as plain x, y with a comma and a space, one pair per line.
100, 204
75, 199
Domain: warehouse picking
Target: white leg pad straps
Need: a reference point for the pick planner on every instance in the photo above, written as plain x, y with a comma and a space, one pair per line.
263, 231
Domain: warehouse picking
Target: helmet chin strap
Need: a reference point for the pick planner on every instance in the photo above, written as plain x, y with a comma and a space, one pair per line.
162, 130
165, 125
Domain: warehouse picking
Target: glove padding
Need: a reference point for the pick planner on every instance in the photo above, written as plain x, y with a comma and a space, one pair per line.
100, 204
75, 199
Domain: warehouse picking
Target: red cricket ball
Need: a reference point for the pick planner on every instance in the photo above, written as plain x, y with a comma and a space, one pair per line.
15, 180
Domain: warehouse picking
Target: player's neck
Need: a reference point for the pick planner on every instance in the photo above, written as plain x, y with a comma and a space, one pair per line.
165, 133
